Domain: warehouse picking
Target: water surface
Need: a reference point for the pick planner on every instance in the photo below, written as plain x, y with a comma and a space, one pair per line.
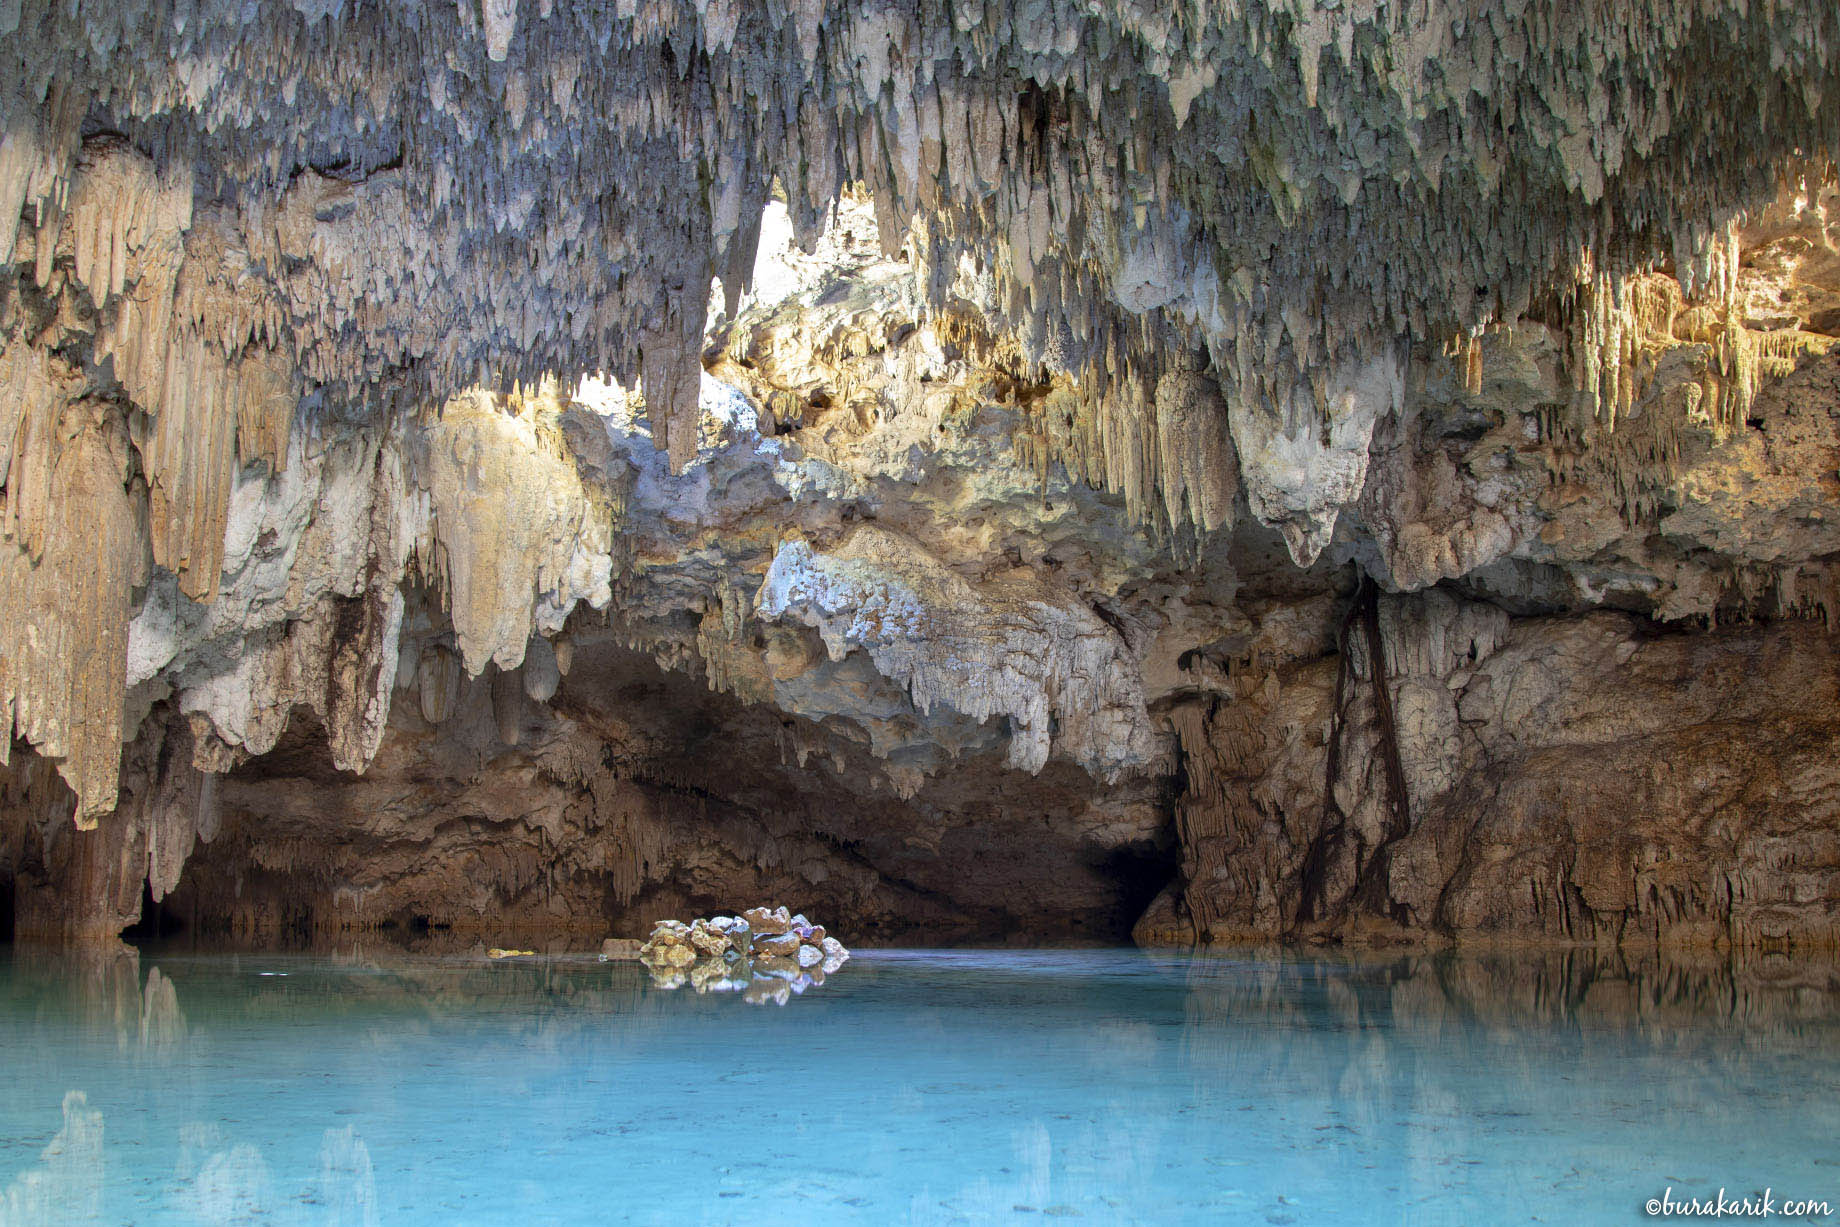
913, 1087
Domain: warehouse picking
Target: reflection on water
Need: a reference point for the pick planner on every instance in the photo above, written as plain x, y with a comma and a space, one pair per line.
216, 1179
757, 985
924, 1087
65, 1186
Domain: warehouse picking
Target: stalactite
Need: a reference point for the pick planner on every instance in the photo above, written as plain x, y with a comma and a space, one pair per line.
633, 837
34, 393
66, 576
329, 634
438, 680
190, 333
507, 689
1194, 250
80, 883
1621, 326
1167, 450
1125, 190
37, 145
174, 806
517, 538
541, 676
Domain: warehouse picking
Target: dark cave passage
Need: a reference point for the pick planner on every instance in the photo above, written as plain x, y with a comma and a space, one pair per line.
638, 794
159, 921
1141, 871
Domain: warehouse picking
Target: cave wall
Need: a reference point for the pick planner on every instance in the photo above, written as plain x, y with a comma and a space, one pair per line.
499, 671
1009, 441
1585, 778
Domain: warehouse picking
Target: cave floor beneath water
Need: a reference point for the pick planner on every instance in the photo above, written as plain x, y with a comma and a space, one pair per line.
932, 1086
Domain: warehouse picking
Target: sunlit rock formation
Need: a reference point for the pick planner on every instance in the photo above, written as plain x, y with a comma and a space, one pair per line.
963, 469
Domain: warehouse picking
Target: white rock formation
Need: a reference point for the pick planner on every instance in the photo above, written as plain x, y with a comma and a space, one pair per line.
1013, 646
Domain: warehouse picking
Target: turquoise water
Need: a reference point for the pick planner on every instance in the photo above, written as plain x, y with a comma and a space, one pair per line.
912, 1087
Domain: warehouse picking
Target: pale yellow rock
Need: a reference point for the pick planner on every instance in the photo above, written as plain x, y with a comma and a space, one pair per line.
511, 522
64, 607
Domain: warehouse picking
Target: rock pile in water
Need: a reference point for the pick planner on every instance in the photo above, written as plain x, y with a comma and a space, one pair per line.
767, 955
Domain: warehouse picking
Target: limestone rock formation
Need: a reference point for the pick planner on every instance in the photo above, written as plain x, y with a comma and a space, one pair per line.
1566, 778
1015, 647
766, 955
973, 469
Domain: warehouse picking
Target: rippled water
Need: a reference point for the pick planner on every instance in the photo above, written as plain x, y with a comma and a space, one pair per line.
913, 1087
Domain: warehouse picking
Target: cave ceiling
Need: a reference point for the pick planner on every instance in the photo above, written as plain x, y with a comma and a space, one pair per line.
422, 197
